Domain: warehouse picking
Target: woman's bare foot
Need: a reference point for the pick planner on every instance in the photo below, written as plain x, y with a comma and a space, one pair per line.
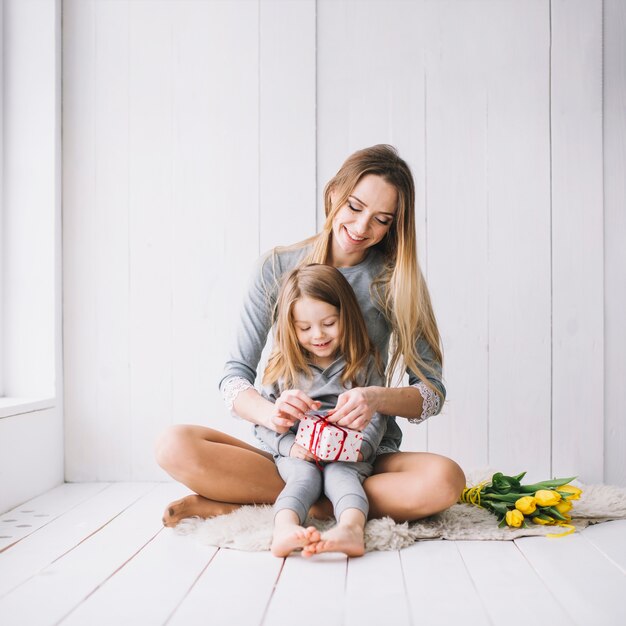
195, 506
346, 538
290, 537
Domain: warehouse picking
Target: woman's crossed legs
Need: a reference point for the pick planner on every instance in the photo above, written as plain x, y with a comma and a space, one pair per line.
226, 472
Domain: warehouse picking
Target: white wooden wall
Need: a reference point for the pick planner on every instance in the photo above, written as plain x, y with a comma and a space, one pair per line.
199, 134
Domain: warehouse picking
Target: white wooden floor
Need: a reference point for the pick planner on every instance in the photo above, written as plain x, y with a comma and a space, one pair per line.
89, 554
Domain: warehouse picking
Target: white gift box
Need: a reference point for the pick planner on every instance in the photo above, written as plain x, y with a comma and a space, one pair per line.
326, 441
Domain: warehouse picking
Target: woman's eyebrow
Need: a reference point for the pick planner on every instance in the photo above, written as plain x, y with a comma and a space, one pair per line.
365, 205
359, 201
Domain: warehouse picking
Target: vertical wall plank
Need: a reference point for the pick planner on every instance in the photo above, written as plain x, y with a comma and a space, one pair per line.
457, 195
370, 91
518, 200
286, 122
614, 55
216, 196
79, 241
577, 240
151, 220
111, 403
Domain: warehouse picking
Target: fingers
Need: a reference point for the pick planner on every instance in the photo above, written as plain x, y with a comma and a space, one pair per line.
295, 403
352, 410
355, 420
298, 452
281, 424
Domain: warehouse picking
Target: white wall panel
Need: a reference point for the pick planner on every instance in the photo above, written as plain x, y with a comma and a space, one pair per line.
30, 464
198, 134
577, 240
152, 219
287, 193
518, 208
457, 192
161, 218
371, 91
614, 240
79, 292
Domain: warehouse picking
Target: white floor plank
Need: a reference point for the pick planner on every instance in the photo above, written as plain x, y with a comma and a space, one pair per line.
588, 585
375, 591
102, 557
32, 515
32, 554
497, 569
64, 584
610, 539
309, 592
234, 589
434, 573
148, 588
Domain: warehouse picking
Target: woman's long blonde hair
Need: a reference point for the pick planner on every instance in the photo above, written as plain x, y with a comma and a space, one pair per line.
288, 359
400, 290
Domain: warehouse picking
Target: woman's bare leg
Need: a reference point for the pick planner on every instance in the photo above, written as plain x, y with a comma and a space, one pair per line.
223, 471
411, 485
226, 472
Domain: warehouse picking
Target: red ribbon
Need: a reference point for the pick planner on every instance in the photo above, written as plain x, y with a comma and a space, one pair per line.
316, 438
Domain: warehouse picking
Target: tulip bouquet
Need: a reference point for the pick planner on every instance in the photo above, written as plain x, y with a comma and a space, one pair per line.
547, 502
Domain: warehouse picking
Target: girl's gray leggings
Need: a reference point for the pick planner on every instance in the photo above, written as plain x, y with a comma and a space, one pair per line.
341, 482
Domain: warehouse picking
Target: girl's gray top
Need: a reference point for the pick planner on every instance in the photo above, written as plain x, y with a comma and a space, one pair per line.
256, 321
325, 386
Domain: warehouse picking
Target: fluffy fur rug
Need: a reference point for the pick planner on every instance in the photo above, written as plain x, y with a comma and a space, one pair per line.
250, 527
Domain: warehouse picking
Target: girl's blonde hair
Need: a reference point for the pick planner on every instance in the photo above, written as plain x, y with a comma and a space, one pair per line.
400, 290
288, 359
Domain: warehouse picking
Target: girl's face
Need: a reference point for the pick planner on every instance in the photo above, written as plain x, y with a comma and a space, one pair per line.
317, 329
363, 221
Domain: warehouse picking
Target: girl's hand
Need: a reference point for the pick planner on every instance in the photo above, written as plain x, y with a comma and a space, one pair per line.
298, 452
355, 408
290, 407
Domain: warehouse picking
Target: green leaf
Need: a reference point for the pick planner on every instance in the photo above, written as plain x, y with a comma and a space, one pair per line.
546, 484
555, 513
509, 497
500, 507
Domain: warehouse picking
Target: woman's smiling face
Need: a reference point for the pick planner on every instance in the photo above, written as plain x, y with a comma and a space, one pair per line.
363, 220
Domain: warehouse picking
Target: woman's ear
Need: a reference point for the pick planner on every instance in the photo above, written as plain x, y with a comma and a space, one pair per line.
333, 196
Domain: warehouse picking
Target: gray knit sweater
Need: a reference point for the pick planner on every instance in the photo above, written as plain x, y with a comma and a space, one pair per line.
256, 321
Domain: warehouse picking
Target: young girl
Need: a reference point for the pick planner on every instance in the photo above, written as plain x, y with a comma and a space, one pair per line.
321, 347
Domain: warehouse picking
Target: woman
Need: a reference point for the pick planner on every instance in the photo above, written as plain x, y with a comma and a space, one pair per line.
369, 235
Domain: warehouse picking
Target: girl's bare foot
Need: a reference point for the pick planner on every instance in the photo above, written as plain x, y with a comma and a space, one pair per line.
290, 537
195, 505
346, 538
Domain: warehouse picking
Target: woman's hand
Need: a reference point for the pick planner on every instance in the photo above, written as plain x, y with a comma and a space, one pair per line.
290, 407
355, 408
298, 452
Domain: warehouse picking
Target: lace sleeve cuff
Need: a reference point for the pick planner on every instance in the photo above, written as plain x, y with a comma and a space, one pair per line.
430, 405
231, 389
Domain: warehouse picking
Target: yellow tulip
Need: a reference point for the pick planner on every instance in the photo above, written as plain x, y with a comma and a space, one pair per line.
514, 518
574, 491
544, 522
564, 506
526, 505
545, 497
